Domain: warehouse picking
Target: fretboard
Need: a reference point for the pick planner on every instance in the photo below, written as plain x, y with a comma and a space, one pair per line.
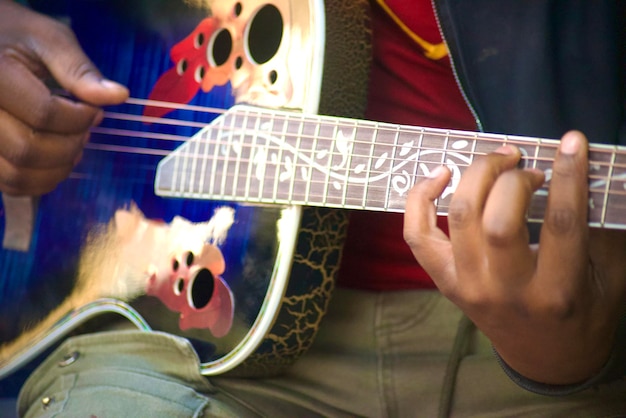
258, 155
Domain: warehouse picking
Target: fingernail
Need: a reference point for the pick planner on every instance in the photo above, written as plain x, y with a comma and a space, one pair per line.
570, 144
437, 172
109, 84
506, 150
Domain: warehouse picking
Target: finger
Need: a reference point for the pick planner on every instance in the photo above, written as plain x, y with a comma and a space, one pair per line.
429, 244
468, 202
563, 240
30, 182
24, 148
71, 68
510, 259
28, 99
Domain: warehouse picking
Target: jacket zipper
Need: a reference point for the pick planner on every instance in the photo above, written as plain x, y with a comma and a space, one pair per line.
479, 124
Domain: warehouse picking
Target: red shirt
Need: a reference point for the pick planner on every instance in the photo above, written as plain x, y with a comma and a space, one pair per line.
411, 82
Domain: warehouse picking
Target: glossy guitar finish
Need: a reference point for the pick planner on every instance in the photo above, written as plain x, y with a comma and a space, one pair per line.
278, 262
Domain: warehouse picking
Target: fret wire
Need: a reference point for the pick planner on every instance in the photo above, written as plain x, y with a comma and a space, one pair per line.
292, 181
185, 169
330, 163
216, 151
228, 151
279, 159
474, 145
369, 164
250, 162
207, 144
393, 157
348, 165
238, 160
607, 189
175, 172
445, 149
310, 172
266, 149
194, 165
537, 147
420, 142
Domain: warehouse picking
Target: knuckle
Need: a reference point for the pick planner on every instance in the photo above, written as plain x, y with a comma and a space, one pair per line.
42, 114
459, 213
561, 221
20, 153
560, 305
502, 231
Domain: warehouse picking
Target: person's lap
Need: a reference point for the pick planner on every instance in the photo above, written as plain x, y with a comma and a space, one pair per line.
399, 354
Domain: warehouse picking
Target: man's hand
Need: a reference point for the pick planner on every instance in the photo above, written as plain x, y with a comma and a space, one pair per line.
550, 310
42, 134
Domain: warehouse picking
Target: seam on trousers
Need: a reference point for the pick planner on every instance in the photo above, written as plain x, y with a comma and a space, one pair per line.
459, 350
380, 357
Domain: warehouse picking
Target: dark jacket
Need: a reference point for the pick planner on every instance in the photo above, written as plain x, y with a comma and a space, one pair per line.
539, 68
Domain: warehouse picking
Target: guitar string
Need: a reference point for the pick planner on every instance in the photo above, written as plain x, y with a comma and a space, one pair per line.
304, 118
182, 138
345, 123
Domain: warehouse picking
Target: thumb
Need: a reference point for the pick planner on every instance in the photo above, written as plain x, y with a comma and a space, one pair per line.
76, 74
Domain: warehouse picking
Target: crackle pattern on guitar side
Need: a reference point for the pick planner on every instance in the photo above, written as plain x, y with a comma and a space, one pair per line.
315, 266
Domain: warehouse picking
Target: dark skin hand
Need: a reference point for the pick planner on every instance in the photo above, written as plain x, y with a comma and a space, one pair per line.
551, 310
43, 134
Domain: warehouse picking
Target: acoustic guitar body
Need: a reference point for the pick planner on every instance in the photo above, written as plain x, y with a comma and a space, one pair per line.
248, 284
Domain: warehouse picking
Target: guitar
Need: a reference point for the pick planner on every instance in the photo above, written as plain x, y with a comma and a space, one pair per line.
275, 178
247, 284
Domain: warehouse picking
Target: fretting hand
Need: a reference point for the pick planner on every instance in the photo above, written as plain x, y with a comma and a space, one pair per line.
550, 310
42, 134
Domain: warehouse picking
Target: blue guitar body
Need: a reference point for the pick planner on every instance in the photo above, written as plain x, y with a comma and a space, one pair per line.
267, 275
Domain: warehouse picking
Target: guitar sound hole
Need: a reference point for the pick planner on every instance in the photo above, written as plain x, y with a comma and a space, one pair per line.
189, 258
222, 48
238, 9
202, 289
265, 34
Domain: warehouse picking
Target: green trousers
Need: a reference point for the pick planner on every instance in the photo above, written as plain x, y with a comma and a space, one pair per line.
397, 354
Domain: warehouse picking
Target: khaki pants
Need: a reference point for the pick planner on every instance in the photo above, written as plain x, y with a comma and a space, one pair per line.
397, 354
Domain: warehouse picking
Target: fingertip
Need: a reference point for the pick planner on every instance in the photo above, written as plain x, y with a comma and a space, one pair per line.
508, 150
438, 172
572, 142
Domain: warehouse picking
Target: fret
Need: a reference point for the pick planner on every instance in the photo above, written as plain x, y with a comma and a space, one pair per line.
601, 161
193, 156
278, 157
184, 179
175, 171
544, 157
415, 171
312, 172
338, 139
252, 166
368, 165
394, 149
399, 180
615, 199
290, 132
380, 167
301, 176
343, 185
202, 156
236, 148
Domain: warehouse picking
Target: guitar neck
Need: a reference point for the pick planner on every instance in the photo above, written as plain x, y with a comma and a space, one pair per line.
265, 156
